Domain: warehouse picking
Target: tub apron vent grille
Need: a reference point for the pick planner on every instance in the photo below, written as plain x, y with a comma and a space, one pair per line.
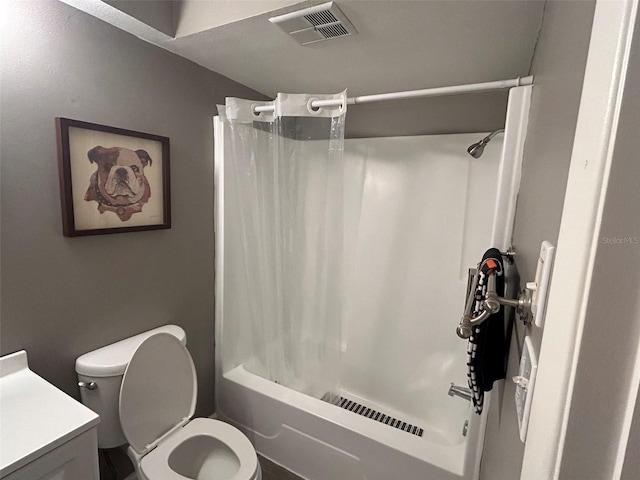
376, 415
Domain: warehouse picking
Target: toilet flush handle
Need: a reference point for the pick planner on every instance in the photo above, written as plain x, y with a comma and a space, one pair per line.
88, 385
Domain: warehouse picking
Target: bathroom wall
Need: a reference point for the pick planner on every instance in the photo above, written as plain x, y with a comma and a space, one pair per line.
155, 13
62, 297
194, 16
558, 66
475, 112
631, 465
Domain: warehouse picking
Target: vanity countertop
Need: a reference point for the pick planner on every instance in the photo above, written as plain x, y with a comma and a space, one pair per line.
35, 416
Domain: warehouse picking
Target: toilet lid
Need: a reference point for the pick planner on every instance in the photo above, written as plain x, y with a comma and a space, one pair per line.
158, 391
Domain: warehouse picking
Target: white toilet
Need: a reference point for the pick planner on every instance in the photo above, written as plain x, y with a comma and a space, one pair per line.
144, 389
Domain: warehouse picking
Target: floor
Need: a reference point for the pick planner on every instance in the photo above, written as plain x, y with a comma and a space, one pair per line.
272, 471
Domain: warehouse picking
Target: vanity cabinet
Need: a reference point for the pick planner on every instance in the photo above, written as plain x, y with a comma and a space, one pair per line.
44, 433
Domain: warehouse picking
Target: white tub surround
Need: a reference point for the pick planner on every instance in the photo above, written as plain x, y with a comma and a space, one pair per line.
44, 433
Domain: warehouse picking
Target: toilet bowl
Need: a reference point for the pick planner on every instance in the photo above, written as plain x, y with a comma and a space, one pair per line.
203, 449
156, 401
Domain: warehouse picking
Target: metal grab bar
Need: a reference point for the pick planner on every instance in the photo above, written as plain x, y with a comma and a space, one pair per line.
464, 328
491, 304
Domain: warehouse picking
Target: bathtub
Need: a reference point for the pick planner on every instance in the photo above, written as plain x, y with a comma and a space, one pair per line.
320, 441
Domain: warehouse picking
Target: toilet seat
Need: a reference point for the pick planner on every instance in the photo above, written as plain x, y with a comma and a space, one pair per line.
155, 465
158, 391
157, 400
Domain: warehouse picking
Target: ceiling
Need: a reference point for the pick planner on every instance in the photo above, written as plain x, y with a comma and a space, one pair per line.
400, 45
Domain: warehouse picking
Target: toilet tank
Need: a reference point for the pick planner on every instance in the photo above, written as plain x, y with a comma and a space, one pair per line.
105, 367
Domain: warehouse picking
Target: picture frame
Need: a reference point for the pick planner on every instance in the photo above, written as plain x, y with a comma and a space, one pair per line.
112, 180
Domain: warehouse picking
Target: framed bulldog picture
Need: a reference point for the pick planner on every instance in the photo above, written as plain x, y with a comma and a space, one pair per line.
112, 180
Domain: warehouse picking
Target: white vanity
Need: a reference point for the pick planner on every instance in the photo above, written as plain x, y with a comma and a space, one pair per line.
44, 433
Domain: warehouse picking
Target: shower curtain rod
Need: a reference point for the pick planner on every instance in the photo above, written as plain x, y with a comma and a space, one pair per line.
427, 92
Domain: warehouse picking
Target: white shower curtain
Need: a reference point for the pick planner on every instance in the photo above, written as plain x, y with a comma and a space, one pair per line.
287, 168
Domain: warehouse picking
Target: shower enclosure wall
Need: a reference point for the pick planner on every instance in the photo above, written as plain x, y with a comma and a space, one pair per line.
419, 211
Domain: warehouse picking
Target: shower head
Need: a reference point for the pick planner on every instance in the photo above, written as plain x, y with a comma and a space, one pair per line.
477, 149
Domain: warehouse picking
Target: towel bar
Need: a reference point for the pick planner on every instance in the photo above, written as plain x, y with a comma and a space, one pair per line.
492, 303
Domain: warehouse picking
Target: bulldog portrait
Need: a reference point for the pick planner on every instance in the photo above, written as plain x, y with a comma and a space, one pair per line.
119, 184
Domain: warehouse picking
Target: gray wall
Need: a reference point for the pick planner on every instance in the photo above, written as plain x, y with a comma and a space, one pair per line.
631, 465
478, 112
558, 65
62, 297
156, 13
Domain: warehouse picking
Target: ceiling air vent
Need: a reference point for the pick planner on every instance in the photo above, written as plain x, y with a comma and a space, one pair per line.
315, 24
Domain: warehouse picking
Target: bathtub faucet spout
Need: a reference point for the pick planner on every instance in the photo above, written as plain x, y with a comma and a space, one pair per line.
462, 392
